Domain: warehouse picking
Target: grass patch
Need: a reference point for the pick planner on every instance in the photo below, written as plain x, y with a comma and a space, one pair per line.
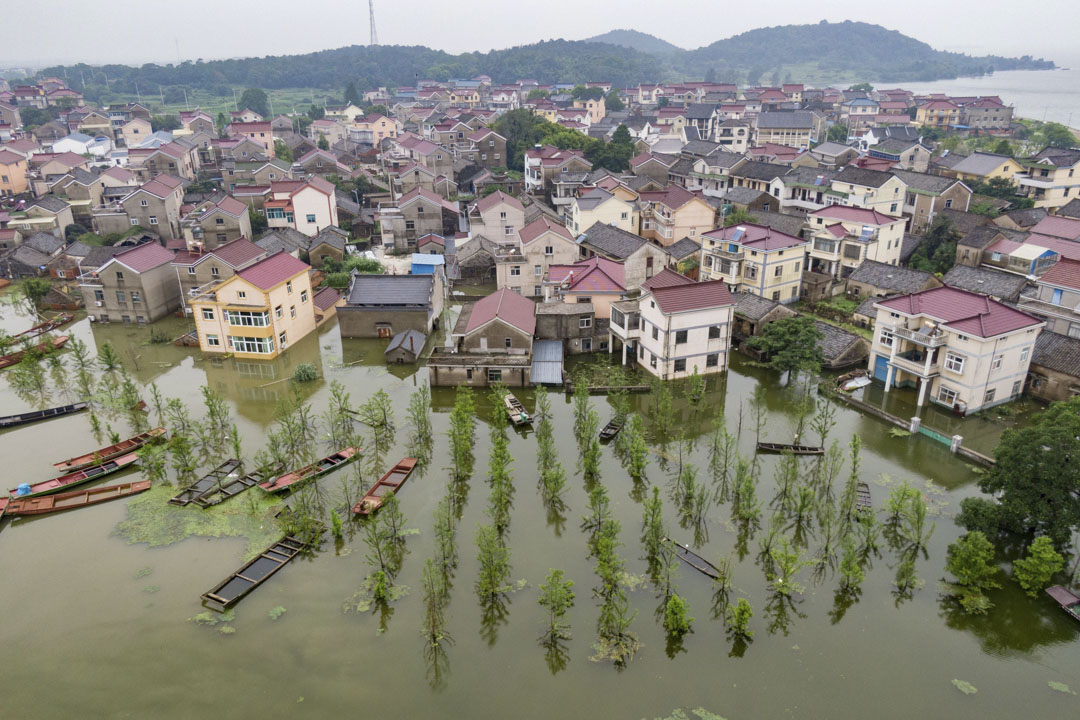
153, 521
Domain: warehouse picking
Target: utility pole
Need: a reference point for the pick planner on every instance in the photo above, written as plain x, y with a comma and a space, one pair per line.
371, 20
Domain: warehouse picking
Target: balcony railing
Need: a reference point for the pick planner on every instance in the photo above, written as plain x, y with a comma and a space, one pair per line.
927, 337
1035, 181
914, 361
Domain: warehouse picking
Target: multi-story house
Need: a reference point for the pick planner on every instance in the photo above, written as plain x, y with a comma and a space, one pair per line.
81, 190
757, 175
598, 281
670, 215
600, 206
346, 113
858, 113
260, 133
136, 285
677, 327
246, 115
258, 312
1056, 298
407, 177
1051, 178
733, 135
871, 189
987, 114
926, 195
198, 269
498, 217
542, 243
544, 165
640, 258
845, 236
171, 159
322, 163
799, 128
259, 172
450, 134
905, 154
13, 173
710, 175
485, 148
653, 165
940, 114
135, 131
596, 109
983, 167
756, 259
417, 213
307, 206
198, 121
494, 344
211, 224
155, 205
961, 349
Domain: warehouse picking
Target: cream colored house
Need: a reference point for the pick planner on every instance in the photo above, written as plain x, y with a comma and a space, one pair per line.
135, 131
1051, 178
600, 206
845, 236
873, 189
258, 312
498, 217
595, 108
959, 349
543, 243
670, 215
682, 327
756, 259
309, 207
983, 167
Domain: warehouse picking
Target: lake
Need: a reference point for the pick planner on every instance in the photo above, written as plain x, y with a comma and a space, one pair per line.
98, 627
1051, 95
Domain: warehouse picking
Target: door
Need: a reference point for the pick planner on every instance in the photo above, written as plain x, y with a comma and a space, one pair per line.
384, 331
881, 368
483, 343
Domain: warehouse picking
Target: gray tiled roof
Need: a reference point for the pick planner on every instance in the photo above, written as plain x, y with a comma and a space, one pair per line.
396, 290
756, 170
332, 236
790, 224
890, 278
894, 145
995, 283
699, 111
809, 176
100, 254
611, 241
410, 340
1072, 209
684, 166
797, 119
742, 195
286, 239
44, 242
862, 176
831, 149
866, 307
700, 148
836, 342
683, 248
964, 222
51, 203
980, 163
1027, 217
922, 181
753, 307
908, 246
1058, 353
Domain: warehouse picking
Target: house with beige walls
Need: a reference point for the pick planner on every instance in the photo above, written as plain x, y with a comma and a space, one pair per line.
541, 244
756, 259
842, 237
600, 206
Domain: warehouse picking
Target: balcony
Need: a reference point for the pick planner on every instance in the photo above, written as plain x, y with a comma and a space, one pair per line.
925, 336
826, 248
1029, 180
915, 362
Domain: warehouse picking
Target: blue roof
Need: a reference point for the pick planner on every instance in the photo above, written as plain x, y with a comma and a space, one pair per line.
428, 259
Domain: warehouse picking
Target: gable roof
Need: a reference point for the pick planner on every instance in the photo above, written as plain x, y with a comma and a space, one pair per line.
979, 163
666, 278
891, 278
758, 170
1062, 227
756, 236
860, 176
539, 227
695, 296
44, 242
611, 240
1064, 273
754, 307
854, 214
1058, 353
390, 290
272, 271
966, 312
486, 203
505, 305
798, 119
935, 184
683, 248
142, 258
995, 283
597, 274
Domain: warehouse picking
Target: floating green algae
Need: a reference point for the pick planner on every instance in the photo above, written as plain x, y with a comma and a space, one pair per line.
151, 520
965, 687
276, 612
1061, 687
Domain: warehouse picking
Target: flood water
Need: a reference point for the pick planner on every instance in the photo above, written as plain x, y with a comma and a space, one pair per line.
97, 627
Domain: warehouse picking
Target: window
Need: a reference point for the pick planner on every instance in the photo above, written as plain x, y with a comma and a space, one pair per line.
153, 220
892, 208
776, 295
303, 296
714, 332
410, 225
515, 270
292, 311
779, 271
886, 338
948, 203
207, 314
120, 296
1024, 355
549, 250
213, 341
508, 230
248, 318
1017, 387
135, 297
288, 287
712, 360
989, 397
1056, 298
494, 375
125, 319
538, 270
655, 333
585, 322
263, 346
215, 272
586, 344
680, 365
996, 363
143, 203
954, 363
281, 339
219, 221
311, 217
652, 360
468, 373
680, 337
946, 396
277, 312
241, 294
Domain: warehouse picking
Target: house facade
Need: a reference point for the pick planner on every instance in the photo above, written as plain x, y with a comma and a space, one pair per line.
755, 259
542, 243
845, 236
683, 328
134, 286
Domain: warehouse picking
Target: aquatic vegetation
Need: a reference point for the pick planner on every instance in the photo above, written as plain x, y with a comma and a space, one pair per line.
151, 520
212, 619
1060, 687
677, 620
305, 372
965, 687
143, 572
363, 600
276, 612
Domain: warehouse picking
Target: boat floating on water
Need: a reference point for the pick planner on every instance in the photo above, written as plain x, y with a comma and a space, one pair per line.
793, 449
58, 484
311, 472
387, 485
611, 429
35, 415
44, 504
516, 410
206, 483
47, 346
691, 558
253, 574
108, 453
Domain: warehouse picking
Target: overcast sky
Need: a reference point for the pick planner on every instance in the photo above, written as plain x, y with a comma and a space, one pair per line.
67, 31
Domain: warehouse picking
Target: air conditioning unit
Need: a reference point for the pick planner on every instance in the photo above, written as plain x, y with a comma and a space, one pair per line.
98, 303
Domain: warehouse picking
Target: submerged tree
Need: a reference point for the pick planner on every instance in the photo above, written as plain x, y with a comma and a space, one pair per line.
971, 560
420, 416
635, 450
494, 559
557, 597
462, 433
433, 588
1035, 570
552, 475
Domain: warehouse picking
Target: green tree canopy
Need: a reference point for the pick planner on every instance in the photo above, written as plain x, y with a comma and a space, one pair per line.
352, 95
937, 251
580, 92
613, 102
255, 99
793, 345
838, 132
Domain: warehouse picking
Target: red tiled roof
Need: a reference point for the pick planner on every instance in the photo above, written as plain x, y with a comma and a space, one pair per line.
250, 127
234, 207
674, 197
506, 305
486, 203
427, 195
758, 237
596, 274
238, 252
1065, 273
837, 229
963, 311
8, 158
853, 214
67, 158
666, 278
1065, 248
1062, 227
161, 186
272, 271
429, 239
144, 257
541, 225
695, 296
326, 298
321, 184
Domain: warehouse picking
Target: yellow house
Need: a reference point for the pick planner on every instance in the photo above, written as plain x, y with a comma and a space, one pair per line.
600, 206
937, 113
1051, 178
258, 312
981, 167
12, 173
668, 216
595, 108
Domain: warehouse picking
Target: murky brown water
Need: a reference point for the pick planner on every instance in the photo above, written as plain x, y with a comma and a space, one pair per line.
84, 637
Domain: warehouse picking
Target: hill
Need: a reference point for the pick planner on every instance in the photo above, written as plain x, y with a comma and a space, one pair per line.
635, 40
826, 52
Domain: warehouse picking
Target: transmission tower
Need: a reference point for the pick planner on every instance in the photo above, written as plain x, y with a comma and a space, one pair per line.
371, 17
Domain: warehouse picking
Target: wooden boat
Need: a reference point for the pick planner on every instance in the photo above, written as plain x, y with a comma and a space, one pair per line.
232, 486
3, 505
95, 472
310, 472
107, 453
1067, 599
387, 485
42, 328
230, 590
516, 410
694, 560
47, 346
35, 415
206, 483
793, 449
77, 499
863, 501
611, 429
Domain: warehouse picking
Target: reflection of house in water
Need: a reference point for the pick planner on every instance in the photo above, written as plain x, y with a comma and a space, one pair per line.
143, 360
257, 386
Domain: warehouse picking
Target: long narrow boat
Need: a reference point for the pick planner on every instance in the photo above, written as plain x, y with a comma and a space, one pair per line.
516, 410
3, 506
78, 477
863, 501
77, 499
793, 449
315, 470
233, 486
387, 485
611, 429
206, 483
35, 415
694, 560
108, 453
47, 346
230, 590
1067, 599
42, 328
